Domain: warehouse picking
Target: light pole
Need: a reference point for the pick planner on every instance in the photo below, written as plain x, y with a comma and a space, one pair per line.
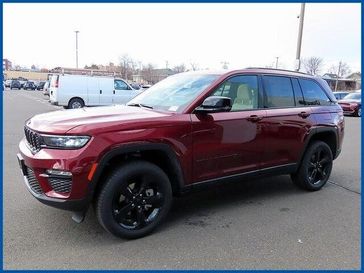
299, 39
277, 62
76, 31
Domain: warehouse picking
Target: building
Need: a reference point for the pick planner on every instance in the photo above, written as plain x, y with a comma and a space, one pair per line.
343, 84
7, 65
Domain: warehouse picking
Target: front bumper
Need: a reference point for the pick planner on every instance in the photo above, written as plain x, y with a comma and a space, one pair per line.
63, 192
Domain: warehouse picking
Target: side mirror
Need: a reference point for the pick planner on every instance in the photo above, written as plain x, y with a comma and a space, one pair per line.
214, 104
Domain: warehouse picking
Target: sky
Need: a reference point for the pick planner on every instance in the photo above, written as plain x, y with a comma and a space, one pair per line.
204, 34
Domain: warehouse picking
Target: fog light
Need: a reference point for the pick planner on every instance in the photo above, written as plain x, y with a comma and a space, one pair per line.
58, 172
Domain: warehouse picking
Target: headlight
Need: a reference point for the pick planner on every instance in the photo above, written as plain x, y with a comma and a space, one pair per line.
66, 142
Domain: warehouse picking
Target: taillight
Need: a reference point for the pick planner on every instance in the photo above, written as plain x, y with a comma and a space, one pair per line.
56, 84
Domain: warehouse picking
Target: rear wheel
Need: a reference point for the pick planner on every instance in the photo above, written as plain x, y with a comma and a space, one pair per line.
76, 103
315, 168
134, 200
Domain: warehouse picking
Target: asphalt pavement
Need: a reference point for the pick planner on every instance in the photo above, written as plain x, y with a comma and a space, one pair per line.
261, 224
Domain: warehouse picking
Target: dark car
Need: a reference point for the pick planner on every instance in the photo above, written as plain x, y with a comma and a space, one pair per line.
15, 84
340, 94
40, 85
29, 85
190, 130
351, 104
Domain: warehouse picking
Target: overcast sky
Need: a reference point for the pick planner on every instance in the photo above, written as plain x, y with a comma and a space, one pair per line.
206, 34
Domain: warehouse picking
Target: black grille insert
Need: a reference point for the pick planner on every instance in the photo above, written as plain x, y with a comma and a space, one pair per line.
60, 184
34, 140
33, 182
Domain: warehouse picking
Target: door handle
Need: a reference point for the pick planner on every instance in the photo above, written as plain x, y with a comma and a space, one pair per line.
303, 114
100, 91
113, 92
254, 118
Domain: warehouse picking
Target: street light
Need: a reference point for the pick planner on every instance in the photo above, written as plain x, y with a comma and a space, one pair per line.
76, 31
299, 39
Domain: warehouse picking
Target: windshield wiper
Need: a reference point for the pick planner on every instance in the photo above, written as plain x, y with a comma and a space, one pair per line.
140, 105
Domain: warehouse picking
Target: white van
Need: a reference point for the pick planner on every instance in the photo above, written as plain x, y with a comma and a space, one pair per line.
76, 91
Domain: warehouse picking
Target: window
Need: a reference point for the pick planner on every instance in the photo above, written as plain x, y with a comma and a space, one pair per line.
279, 92
120, 85
313, 93
242, 90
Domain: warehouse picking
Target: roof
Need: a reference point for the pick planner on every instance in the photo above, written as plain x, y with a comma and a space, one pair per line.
257, 70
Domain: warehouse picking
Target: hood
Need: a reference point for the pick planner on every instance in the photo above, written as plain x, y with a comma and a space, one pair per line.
349, 101
60, 122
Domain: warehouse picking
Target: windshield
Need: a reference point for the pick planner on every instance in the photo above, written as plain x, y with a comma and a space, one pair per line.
353, 96
175, 92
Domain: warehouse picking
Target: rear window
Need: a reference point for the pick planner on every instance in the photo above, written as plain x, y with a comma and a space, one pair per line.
313, 93
279, 92
54, 81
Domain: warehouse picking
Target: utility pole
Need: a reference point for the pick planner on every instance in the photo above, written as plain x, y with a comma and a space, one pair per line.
76, 31
277, 62
299, 39
166, 64
338, 75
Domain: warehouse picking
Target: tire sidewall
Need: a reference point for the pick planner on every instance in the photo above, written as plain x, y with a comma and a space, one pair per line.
305, 163
76, 100
117, 179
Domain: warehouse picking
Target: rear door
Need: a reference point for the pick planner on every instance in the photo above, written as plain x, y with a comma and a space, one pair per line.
287, 122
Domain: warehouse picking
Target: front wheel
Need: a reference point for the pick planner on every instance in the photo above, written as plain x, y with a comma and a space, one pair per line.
315, 168
358, 112
134, 200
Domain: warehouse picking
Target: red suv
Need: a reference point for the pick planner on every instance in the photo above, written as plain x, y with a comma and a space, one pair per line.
189, 130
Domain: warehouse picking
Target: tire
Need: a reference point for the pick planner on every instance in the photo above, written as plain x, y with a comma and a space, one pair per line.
358, 112
315, 167
76, 103
134, 200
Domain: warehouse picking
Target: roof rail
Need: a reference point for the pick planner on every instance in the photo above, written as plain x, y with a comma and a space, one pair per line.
278, 69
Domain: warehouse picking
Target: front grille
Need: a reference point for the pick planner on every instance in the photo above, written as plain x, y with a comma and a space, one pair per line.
33, 139
60, 184
33, 182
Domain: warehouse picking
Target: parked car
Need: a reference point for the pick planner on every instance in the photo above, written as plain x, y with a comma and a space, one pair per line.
15, 84
46, 88
189, 130
146, 86
8, 83
22, 81
351, 104
29, 85
77, 91
340, 94
40, 85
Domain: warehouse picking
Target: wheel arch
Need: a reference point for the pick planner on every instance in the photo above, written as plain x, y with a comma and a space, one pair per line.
159, 154
329, 135
69, 101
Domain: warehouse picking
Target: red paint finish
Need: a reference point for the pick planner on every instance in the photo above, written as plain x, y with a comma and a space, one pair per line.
207, 146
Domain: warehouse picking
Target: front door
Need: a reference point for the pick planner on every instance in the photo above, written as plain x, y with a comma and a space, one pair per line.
229, 143
123, 93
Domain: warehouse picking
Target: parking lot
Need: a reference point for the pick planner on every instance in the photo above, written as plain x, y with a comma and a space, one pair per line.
261, 224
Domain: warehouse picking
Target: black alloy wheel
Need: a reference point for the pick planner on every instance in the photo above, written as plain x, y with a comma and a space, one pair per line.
135, 198
315, 168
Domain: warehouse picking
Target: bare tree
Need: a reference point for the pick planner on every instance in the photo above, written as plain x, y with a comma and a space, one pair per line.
313, 65
147, 72
179, 68
341, 69
194, 66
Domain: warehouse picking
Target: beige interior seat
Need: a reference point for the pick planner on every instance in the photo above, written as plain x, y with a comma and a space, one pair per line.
242, 100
